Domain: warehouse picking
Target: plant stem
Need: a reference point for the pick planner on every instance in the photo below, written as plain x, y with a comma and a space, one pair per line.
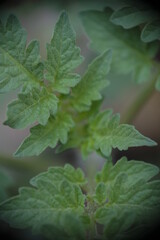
23, 165
93, 232
137, 105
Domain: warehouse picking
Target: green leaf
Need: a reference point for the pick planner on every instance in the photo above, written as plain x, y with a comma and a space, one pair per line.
136, 13
92, 83
70, 227
56, 174
63, 56
139, 208
5, 182
42, 137
80, 129
36, 105
116, 4
129, 17
130, 55
132, 201
101, 193
50, 201
105, 133
136, 170
102, 132
18, 66
151, 31
115, 221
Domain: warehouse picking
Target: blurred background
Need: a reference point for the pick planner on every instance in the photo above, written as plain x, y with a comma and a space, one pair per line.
38, 17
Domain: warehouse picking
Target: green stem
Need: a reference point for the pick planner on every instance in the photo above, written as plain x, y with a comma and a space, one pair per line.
24, 165
140, 101
92, 232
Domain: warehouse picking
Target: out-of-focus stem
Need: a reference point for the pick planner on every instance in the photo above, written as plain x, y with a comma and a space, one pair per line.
23, 165
140, 101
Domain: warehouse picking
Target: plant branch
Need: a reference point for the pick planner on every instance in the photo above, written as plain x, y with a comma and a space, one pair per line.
140, 101
24, 165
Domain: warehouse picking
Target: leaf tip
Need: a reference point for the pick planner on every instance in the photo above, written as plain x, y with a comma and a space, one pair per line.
64, 15
16, 154
5, 122
12, 20
152, 142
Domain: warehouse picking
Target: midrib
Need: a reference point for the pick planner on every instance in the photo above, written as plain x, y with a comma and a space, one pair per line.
27, 108
20, 66
39, 138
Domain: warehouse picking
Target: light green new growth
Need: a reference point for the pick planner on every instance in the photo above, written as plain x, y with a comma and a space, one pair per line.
63, 57
125, 198
104, 133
